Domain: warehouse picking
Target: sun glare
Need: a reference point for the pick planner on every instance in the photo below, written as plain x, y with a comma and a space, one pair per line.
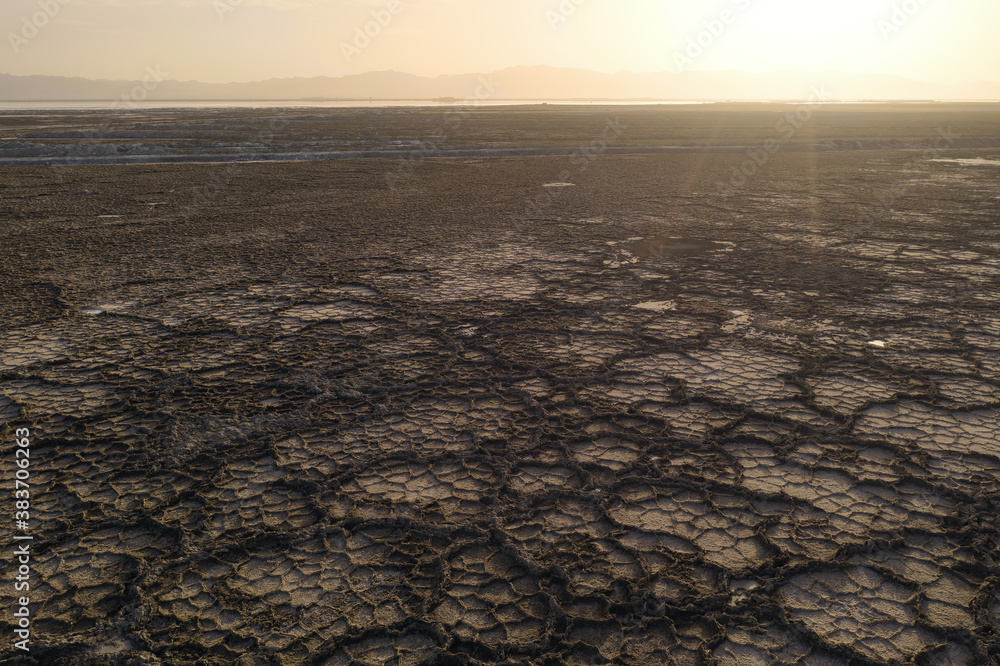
757, 35
810, 32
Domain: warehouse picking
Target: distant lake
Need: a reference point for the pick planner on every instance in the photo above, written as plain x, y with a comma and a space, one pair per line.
332, 104
378, 104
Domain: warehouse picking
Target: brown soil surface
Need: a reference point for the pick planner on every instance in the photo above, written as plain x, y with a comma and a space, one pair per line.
431, 411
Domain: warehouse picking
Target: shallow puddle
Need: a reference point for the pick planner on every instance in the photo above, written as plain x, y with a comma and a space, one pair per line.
971, 161
664, 246
657, 306
101, 308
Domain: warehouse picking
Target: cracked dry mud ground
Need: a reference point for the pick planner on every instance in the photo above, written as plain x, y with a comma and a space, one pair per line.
325, 422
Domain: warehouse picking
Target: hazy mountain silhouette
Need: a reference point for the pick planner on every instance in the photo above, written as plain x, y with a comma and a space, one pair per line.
517, 83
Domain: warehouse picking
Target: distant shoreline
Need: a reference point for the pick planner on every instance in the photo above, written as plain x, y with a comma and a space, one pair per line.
106, 105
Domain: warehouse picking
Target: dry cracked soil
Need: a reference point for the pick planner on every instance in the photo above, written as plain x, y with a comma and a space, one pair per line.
515, 399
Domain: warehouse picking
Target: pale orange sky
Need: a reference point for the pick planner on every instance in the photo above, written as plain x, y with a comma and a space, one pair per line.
233, 40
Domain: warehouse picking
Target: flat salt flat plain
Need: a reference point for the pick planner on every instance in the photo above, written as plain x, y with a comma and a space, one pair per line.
424, 409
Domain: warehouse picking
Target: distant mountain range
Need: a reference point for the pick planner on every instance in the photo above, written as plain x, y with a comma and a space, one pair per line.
518, 83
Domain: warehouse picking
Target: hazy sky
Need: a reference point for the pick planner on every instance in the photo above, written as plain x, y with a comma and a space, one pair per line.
248, 40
